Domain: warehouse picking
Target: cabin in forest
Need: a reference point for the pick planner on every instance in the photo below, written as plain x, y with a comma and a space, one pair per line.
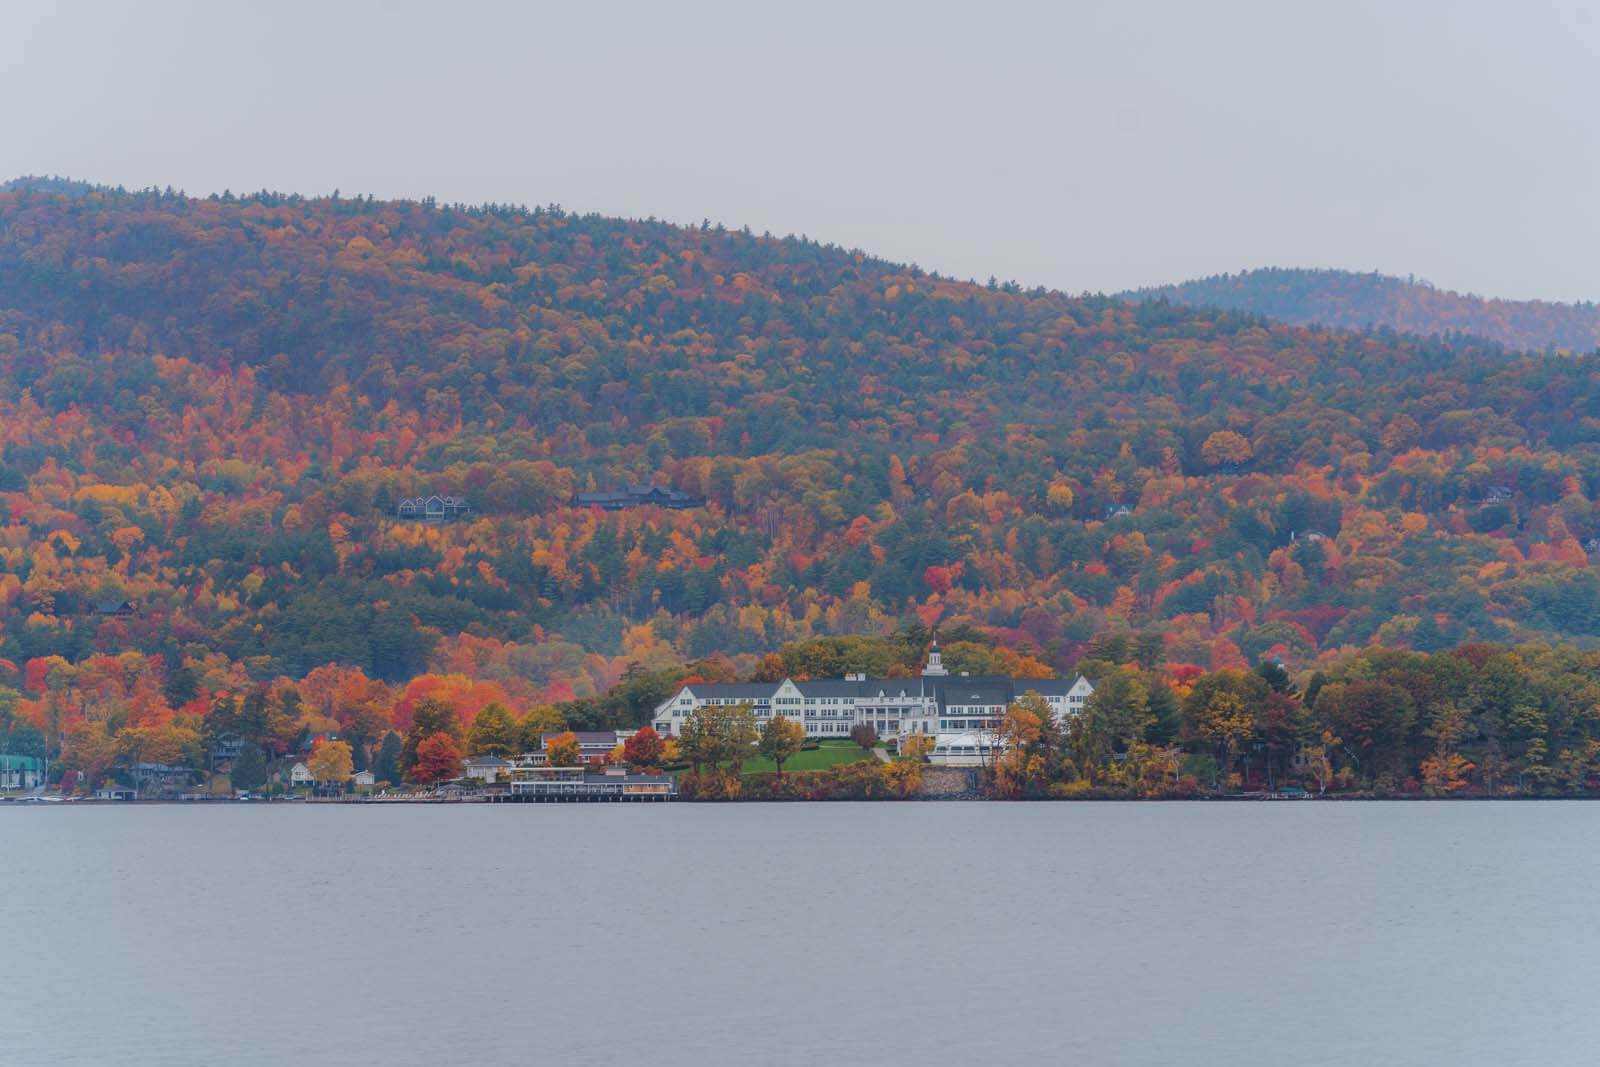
116, 609
637, 496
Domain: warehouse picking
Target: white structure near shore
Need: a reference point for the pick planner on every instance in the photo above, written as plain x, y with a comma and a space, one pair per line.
960, 711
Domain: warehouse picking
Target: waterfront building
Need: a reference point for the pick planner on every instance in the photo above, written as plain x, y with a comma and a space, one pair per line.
583, 785
486, 768
937, 703
21, 772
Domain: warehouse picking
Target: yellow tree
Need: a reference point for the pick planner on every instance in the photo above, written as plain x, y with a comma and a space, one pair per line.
331, 761
1225, 447
562, 750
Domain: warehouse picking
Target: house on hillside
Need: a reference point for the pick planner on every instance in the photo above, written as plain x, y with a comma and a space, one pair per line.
116, 609
433, 508
1497, 494
224, 750
637, 496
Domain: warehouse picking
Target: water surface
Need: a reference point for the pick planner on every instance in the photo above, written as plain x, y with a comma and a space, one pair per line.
1311, 933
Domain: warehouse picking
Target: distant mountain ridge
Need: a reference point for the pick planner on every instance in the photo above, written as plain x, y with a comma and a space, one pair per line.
1359, 301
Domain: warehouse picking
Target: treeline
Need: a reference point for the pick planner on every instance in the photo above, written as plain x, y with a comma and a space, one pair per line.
111, 712
1478, 720
1475, 720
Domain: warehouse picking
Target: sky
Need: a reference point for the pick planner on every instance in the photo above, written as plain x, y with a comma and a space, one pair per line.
1082, 146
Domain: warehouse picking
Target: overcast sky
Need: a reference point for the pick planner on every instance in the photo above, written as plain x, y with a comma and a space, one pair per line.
1084, 146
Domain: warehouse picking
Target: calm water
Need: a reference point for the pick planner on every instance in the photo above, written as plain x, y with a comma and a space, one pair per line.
797, 934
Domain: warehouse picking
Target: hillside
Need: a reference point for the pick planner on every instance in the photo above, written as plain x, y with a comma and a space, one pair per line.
1360, 301
210, 409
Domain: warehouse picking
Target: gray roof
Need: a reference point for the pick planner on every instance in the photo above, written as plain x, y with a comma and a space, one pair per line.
735, 690
488, 761
946, 689
832, 687
585, 737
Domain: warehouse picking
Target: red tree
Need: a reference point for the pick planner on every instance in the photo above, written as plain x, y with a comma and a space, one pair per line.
438, 759
644, 749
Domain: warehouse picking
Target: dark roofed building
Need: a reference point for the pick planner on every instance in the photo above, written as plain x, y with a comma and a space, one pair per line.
594, 746
639, 496
433, 508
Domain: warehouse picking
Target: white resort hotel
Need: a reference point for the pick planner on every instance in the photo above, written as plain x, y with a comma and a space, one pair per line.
961, 712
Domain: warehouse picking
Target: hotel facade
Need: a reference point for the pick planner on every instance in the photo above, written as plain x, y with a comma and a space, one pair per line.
961, 712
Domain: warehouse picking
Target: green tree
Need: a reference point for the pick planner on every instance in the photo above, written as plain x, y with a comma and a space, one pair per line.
249, 768
540, 720
494, 733
781, 738
386, 765
718, 734
1116, 714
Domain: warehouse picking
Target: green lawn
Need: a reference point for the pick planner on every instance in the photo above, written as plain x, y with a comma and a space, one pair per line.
831, 754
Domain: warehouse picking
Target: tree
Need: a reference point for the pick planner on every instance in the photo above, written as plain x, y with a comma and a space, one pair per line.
1221, 711
432, 716
1445, 773
494, 732
1116, 715
249, 768
563, 750
917, 746
386, 766
781, 738
438, 759
1018, 764
864, 735
1225, 448
331, 761
718, 734
540, 720
644, 749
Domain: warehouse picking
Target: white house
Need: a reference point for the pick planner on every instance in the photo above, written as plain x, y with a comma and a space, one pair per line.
363, 780
485, 768
300, 774
937, 703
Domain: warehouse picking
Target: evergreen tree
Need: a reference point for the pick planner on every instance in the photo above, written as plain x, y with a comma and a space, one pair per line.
386, 767
250, 768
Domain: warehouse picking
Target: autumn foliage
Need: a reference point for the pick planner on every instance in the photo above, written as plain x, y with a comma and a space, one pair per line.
438, 760
210, 409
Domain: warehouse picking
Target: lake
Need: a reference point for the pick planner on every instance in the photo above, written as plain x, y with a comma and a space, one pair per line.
880, 933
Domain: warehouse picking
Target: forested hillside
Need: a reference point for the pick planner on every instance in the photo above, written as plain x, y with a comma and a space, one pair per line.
1362, 301
210, 408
